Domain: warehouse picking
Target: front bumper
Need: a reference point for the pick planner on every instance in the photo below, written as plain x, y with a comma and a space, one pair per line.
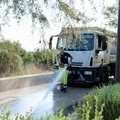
83, 75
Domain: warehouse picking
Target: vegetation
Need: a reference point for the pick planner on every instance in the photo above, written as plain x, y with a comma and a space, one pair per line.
100, 104
5, 114
10, 61
61, 10
14, 60
111, 14
33, 9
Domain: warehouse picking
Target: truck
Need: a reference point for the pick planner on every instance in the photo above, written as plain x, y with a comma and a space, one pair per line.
93, 52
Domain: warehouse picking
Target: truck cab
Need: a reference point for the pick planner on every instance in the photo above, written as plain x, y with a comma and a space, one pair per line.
90, 52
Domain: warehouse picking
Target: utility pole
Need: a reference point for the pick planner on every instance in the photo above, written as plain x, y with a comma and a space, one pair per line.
117, 69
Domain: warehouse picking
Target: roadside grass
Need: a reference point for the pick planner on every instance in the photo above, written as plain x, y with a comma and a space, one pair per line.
100, 104
30, 69
35, 69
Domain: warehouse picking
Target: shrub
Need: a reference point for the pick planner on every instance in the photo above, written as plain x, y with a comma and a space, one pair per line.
9, 63
10, 60
29, 58
58, 116
45, 57
105, 100
5, 114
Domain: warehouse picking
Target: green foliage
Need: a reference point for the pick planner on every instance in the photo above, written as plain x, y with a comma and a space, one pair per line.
34, 10
108, 103
6, 45
5, 114
45, 56
71, 12
9, 64
110, 14
13, 58
117, 118
19, 50
10, 61
58, 116
37, 56
20, 8
29, 57
83, 110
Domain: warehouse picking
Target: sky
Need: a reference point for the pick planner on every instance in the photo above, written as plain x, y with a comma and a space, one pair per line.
30, 42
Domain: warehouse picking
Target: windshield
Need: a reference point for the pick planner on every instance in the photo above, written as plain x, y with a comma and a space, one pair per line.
76, 42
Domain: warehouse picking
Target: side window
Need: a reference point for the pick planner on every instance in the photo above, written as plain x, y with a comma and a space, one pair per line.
102, 42
61, 42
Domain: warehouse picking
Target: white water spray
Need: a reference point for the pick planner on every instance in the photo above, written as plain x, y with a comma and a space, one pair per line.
35, 100
54, 83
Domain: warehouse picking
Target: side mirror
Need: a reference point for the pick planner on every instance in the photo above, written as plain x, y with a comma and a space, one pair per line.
50, 43
104, 45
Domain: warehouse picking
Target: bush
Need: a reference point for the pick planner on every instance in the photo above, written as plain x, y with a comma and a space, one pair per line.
103, 102
58, 116
10, 60
29, 58
5, 114
45, 57
9, 63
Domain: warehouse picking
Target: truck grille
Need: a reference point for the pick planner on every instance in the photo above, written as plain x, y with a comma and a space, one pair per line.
76, 63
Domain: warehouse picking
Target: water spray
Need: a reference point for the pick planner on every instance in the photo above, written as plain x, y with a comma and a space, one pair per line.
34, 100
54, 83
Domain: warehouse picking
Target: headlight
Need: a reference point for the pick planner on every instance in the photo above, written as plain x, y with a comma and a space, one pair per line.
88, 72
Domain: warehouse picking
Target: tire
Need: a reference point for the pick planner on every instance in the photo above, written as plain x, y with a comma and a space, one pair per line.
104, 75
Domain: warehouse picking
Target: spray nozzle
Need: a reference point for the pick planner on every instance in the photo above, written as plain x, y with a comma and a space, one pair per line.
65, 65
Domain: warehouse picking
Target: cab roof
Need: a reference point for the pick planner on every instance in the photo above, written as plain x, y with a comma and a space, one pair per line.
79, 30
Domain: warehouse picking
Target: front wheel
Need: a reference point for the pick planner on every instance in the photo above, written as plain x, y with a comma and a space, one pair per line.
104, 75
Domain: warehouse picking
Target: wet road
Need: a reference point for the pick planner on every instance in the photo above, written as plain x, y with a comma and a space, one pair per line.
22, 100
31, 97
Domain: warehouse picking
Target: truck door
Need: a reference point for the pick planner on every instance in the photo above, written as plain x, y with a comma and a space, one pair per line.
98, 50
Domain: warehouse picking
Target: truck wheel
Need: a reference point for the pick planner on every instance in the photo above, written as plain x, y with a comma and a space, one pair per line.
104, 75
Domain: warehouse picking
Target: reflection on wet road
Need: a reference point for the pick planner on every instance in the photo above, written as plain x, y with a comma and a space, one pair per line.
54, 101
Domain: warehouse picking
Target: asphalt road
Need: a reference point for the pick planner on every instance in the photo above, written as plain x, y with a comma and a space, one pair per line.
22, 102
23, 99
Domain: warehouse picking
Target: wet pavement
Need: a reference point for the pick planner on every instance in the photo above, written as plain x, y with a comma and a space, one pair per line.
31, 98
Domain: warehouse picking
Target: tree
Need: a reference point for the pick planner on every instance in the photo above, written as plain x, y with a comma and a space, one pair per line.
33, 10
111, 14
10, 60
19, 50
